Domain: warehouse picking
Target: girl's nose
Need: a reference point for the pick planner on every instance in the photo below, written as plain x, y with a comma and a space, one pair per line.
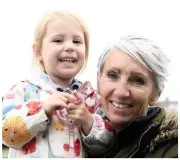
69, 47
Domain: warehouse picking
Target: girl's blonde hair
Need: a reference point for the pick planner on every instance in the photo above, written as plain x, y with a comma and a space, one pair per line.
41, 28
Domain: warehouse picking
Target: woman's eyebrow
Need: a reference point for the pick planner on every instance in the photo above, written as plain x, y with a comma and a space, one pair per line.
113, 68
136, 73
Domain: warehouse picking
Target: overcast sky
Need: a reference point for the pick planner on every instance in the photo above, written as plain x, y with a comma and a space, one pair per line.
106, 19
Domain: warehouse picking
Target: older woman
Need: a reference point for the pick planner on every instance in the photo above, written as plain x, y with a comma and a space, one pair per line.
131, 75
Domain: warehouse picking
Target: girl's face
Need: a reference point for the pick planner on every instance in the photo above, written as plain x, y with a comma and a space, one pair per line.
63, 49
126, 88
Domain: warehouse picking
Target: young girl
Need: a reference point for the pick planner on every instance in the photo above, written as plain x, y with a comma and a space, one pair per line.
48, 114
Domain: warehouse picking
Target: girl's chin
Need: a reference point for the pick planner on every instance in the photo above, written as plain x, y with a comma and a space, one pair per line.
67, 74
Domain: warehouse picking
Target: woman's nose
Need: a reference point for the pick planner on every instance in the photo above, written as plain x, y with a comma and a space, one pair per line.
122, 90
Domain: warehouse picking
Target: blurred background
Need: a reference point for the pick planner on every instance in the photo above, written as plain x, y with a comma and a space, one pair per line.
107, 20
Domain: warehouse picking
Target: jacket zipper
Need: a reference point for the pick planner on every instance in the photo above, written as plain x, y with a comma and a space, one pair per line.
139, 143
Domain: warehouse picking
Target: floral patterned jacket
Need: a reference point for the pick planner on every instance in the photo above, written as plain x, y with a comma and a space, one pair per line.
29, 133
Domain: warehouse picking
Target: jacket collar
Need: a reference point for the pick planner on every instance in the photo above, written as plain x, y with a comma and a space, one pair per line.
168, 127
42, 80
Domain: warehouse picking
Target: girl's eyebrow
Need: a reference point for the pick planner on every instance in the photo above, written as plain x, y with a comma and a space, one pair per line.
58, 35
63, 35
78, 36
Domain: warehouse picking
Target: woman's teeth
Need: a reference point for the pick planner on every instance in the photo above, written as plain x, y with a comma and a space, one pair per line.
121, 106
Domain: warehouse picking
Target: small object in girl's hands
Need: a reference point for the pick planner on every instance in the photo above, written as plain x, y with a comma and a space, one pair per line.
78, 99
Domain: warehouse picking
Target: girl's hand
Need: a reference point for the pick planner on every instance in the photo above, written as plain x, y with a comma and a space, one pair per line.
58, 100
78, 112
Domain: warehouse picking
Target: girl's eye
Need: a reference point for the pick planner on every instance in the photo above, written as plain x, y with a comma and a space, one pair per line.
58, 41
77, 41
138, 80
112, 75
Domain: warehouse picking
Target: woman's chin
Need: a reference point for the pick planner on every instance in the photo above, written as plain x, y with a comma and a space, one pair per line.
118, 121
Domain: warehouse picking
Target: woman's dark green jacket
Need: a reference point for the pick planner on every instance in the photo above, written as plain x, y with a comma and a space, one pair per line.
152, 136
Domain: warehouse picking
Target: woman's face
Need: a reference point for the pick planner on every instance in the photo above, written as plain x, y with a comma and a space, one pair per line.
126, 88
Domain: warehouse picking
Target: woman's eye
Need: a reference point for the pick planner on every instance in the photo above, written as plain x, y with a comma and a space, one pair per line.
138, 80
112, 75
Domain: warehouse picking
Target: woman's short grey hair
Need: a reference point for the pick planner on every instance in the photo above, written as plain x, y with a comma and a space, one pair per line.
144, 51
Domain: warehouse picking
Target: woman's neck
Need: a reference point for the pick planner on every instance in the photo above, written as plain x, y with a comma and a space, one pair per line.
120, 126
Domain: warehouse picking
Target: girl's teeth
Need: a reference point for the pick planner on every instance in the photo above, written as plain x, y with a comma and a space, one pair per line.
67, 60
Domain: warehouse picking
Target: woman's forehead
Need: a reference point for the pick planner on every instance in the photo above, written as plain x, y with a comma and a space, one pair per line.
118, 60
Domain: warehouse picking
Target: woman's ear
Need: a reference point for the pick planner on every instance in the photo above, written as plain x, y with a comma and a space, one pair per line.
154, 99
